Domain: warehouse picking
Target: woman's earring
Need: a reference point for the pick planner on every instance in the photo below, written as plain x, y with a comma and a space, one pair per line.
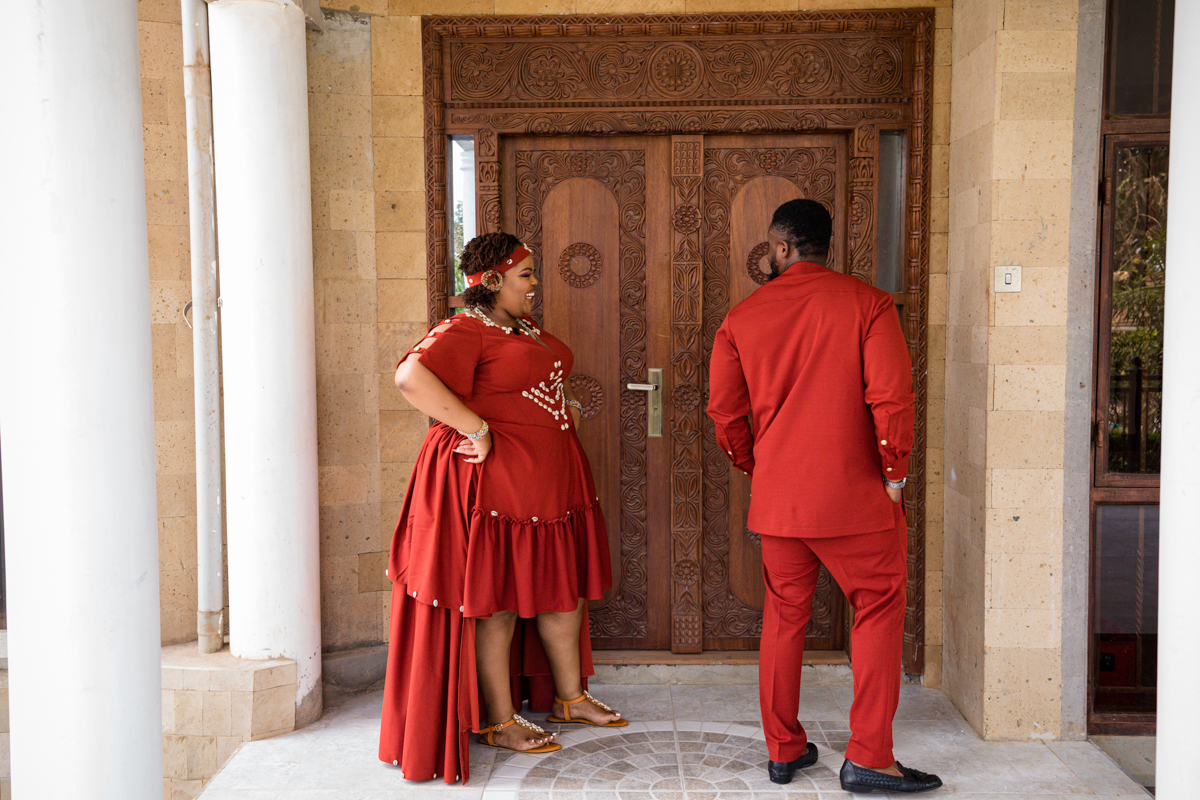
492, 280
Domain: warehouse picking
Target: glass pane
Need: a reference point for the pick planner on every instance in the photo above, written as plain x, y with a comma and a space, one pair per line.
1139, 242
889, 275
1125, 628
1141, 35
461, 186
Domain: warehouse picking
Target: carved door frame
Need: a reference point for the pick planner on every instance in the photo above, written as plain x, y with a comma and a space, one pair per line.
687, 76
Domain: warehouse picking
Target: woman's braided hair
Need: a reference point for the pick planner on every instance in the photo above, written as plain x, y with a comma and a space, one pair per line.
482, 253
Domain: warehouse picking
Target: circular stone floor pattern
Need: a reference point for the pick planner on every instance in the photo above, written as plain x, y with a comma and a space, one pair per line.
664, 765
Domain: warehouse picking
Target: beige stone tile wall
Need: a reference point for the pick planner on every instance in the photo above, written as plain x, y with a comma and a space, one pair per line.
354, 609
935, 394
1010, 161
164, 130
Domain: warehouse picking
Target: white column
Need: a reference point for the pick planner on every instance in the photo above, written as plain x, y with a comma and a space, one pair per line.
264, 215
76, 407
1179, 517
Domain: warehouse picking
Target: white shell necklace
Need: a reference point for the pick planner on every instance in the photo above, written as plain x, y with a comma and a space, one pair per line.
523, 326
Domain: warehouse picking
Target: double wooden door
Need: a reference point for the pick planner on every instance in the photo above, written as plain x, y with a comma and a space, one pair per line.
643, 244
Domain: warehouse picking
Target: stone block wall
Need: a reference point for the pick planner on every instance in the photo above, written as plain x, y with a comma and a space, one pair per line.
1010, 175
348, 389
164, 128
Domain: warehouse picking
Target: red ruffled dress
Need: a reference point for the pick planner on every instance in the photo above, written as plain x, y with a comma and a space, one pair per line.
522, 531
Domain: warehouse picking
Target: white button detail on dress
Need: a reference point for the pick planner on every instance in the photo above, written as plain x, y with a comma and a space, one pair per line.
460, 608
889, 469
883, 441
414, 592
385, 574
395, 763
435, 603
535, 519
494, 513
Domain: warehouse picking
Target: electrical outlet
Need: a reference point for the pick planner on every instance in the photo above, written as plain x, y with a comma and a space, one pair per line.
1008, 279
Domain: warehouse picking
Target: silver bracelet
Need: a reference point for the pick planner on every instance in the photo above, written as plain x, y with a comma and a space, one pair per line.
900, 484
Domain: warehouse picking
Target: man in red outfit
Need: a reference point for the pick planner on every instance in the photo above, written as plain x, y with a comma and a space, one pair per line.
811, 393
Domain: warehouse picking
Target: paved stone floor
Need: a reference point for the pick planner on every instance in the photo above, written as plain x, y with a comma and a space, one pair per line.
689, 742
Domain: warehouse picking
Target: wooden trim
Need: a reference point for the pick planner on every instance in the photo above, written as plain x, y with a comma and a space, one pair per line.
1122, 724
687, 475
494, 51
1160, 125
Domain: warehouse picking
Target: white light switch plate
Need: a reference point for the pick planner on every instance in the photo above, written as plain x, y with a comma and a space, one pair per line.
1008, 279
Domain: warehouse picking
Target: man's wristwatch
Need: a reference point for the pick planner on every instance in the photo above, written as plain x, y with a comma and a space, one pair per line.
900, 484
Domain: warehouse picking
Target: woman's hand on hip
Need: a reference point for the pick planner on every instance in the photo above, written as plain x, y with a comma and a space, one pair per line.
895, 495
476, 449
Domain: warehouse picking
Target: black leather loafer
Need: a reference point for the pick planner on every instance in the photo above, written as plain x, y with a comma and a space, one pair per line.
781, 771
861, 780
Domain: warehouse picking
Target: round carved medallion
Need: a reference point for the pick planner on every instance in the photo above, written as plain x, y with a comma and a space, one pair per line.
576, 256
687, 218
676, 69
686, 572
752, 264
587, 385
685, 397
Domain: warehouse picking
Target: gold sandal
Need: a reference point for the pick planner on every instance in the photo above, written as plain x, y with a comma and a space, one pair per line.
491, 730
566, 704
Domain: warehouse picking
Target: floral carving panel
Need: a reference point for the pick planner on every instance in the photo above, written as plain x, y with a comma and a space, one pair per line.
774, 69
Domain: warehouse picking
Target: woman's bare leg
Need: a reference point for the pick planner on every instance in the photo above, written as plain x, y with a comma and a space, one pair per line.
493, 640
560, 632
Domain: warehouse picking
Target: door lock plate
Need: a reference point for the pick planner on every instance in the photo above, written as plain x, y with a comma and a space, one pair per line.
654, 408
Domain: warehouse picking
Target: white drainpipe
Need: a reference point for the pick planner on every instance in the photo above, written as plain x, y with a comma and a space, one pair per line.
197, 90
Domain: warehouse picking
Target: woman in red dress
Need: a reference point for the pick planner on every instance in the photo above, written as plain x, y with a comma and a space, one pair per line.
501, 533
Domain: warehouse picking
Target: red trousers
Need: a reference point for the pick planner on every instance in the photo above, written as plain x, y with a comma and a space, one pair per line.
871, 569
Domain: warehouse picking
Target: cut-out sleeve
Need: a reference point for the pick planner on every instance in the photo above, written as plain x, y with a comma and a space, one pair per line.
451, 351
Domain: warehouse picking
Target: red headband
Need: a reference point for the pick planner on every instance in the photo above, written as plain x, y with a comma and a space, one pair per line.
515, 257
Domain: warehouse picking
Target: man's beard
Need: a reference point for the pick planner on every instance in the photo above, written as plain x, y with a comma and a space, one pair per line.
774, 265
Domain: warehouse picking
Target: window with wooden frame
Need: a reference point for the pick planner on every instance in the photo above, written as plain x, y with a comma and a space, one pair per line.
1127, 412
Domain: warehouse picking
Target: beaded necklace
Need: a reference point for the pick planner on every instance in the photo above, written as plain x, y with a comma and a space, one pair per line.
522, 326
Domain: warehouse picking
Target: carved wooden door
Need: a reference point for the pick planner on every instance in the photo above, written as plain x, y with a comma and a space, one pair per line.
745, 179
583, 204
643, 245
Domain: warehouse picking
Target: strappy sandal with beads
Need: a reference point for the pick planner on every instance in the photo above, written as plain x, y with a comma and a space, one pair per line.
485, 736
567, 720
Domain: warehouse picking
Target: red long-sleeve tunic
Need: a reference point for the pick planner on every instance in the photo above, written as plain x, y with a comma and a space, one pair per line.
811, 393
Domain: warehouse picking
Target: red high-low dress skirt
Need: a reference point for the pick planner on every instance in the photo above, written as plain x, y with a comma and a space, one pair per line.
520, 532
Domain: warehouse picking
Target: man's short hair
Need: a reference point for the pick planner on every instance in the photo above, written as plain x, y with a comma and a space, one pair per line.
805, 225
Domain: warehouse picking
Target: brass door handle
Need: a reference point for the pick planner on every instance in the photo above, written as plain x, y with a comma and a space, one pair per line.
653, 401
